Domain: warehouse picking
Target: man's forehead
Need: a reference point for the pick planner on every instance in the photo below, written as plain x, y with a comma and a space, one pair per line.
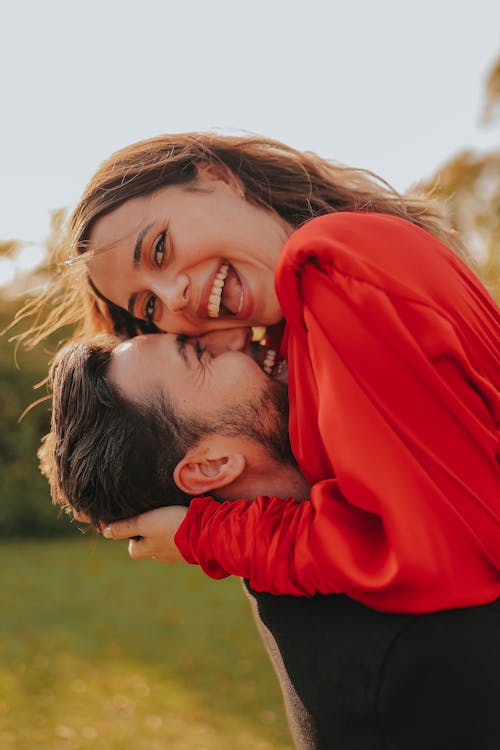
125, 356
125, 361
138, 346
123, 348
133, 364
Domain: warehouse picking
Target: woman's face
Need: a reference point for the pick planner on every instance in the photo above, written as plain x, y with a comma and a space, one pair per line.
191, 258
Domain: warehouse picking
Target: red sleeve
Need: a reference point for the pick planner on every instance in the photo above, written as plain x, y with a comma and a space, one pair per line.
393, 350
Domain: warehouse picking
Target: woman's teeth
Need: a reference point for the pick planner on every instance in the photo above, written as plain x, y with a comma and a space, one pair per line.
226, 281
215, 296
268, 363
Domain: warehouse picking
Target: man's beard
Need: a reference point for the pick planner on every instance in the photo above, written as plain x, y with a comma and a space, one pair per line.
264, 420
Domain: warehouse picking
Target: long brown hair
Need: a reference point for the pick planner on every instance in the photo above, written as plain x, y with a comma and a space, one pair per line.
296, 185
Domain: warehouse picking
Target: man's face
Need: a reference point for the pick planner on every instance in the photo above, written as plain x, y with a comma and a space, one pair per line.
227, 389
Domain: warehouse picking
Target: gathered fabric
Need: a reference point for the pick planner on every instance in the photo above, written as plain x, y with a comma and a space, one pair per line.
393, 349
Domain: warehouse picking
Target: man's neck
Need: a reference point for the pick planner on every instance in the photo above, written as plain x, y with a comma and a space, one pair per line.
274, 479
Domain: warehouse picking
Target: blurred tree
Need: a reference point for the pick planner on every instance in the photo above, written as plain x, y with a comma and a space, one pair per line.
492, 90
469, 184
25, 505
9, 248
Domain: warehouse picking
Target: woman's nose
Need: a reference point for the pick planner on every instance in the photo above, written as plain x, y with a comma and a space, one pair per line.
174, 293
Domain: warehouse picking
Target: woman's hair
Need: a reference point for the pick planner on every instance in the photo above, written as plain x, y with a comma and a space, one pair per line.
296, 185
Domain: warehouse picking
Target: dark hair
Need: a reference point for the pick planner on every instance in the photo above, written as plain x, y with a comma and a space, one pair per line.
106, 456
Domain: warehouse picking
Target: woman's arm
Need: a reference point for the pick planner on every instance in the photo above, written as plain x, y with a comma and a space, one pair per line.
394, 417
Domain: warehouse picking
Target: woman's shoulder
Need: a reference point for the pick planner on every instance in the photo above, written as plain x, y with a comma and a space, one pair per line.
381, 250
353, 224
351, 240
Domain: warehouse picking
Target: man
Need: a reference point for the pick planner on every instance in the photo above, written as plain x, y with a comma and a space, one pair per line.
159, 417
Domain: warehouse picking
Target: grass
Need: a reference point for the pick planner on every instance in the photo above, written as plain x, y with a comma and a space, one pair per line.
99, 652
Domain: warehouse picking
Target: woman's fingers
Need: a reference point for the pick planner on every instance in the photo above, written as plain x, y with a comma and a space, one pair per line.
138, 549
123, 529
151, 534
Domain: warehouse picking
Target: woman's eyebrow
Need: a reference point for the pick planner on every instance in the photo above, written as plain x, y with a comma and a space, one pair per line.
138, 244
136, 261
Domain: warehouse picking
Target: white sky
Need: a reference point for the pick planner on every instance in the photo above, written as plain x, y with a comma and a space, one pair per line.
389, 85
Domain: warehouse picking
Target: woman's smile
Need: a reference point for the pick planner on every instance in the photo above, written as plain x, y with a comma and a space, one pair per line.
225, 294
190, 258
215, 292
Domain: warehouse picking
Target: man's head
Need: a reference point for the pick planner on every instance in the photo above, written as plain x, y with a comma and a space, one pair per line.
157, 420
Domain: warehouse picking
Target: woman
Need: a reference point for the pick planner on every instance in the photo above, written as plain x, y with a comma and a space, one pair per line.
392, 347
294, 186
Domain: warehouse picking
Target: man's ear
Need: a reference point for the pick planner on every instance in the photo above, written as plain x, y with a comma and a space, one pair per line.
202, 471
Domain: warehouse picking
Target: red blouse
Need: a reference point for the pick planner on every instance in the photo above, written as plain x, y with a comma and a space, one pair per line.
394, 384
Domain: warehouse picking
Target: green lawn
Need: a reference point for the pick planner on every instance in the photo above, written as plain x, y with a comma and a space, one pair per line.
100, 652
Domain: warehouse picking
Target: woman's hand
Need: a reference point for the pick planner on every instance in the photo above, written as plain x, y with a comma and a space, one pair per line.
155, 531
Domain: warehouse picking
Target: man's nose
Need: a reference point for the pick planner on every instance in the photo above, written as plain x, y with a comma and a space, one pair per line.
174, 293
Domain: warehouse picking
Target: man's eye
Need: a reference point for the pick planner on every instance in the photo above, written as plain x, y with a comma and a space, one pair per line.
200, 350
159, 250
149, 308
180, 342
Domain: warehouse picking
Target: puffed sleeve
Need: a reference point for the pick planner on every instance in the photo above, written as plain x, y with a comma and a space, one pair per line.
393, 350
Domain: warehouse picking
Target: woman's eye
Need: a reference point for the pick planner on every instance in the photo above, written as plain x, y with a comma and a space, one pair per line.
149, 308
159, 250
